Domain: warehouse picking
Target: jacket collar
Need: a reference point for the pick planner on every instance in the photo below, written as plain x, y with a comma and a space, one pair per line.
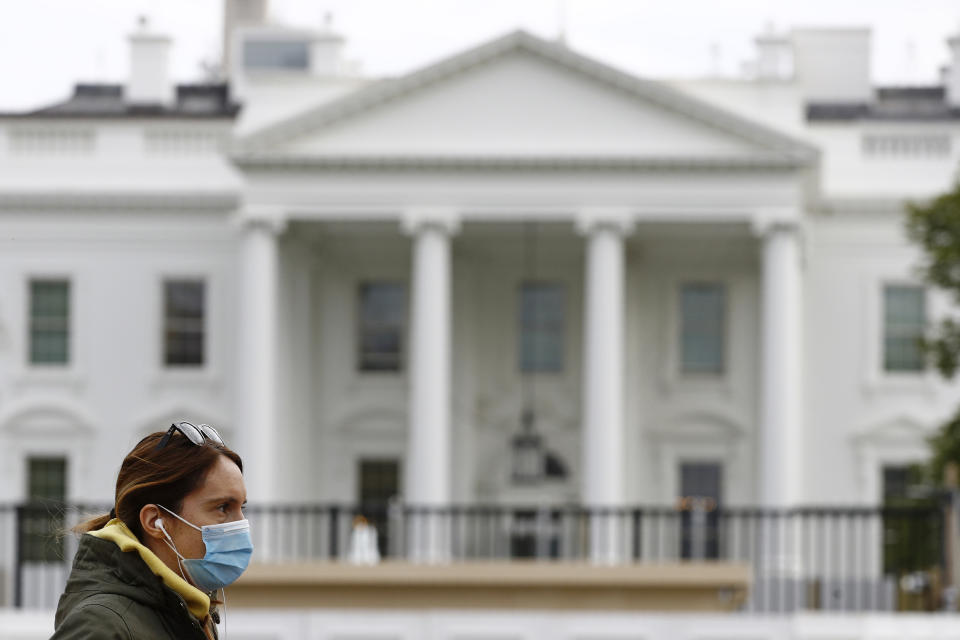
117, 532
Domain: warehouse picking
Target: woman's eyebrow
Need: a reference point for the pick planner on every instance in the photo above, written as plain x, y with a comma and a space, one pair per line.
224, 499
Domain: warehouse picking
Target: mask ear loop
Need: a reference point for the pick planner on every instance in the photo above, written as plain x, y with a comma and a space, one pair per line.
169, 542
159, 522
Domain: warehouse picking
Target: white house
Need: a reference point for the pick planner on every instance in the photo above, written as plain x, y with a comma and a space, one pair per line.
694, 287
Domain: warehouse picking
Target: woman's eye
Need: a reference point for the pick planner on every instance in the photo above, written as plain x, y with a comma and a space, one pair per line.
222, 508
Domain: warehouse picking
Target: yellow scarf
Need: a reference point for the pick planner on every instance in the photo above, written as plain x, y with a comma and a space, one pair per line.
197, 601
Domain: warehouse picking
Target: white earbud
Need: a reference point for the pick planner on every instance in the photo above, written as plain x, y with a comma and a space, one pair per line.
158, 523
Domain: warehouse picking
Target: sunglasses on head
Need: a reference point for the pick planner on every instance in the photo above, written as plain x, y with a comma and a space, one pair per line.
195, 433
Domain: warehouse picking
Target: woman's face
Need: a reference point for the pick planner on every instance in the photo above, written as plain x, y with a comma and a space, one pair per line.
219, 499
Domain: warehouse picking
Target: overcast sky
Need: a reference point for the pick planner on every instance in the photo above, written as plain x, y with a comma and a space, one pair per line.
47, 45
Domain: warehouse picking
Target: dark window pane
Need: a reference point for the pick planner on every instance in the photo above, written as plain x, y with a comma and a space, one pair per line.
896, 480
275, 55
702, 310
49, 322
382, 326
700, 479
904, 316
542, 307
43, 519
379, 480
183, 310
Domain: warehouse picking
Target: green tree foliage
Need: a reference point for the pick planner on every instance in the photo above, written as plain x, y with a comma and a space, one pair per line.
935, 228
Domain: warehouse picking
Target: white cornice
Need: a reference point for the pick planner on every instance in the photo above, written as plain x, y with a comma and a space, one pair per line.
655, 92
854, 206
64, 200
762, 162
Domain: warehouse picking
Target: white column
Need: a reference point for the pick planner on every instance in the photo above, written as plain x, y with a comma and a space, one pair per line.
428, 463
780, 375
603, 380
781, 446
257, 352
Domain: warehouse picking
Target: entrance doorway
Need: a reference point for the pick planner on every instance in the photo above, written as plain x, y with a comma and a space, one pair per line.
700, 499
379, 483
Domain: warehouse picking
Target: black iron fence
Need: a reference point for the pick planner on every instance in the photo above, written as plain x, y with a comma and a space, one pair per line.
838, 559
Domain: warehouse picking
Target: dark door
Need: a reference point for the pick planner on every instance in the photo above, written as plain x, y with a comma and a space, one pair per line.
379, 483
43, 523
700, 498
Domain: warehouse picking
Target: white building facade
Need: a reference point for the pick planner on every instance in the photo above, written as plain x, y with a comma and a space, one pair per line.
694, 287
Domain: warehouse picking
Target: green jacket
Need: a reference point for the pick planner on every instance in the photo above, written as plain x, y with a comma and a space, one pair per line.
113, 595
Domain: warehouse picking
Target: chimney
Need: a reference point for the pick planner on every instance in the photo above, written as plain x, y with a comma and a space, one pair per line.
833, 65
774, 56
239, 13
326, 51
951, 75
149, 82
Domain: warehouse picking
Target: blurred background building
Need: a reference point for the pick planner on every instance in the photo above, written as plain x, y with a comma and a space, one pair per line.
515, 277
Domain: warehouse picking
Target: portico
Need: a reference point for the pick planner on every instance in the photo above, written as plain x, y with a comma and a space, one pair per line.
623, 211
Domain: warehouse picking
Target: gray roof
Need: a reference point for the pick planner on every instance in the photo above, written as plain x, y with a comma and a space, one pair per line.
890, 103
107, 101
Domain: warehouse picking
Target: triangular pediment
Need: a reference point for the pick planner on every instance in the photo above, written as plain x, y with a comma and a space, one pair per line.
520, 97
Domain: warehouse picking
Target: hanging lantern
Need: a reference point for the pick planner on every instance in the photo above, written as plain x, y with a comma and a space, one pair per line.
528, 453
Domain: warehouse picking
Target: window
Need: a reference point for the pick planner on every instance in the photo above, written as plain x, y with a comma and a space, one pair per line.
379, 483
897, 480
903, 324
275, 55
180, 142
183, 320
49, 141
700, 498
49, 322
702, 311
541, 327
383, 314
43, 523
906, 145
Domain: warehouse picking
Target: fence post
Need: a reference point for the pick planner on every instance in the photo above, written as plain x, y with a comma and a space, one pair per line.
334, 532
951, 555
18, 557
637, 540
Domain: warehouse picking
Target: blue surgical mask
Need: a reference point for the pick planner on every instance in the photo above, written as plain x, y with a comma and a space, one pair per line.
229, 548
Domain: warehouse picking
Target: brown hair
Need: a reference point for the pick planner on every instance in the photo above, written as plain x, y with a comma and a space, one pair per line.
159, 476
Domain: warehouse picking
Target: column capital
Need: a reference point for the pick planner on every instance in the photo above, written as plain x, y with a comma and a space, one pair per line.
416, 219
263, 218
619, 219
766, 222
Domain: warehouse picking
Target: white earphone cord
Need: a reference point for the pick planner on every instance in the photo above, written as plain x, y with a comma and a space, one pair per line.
173, 547
169, 543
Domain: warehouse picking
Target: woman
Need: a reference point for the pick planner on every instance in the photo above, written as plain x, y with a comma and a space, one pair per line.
175, 536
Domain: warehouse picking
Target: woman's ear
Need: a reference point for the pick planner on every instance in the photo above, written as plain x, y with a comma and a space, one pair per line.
149, 515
